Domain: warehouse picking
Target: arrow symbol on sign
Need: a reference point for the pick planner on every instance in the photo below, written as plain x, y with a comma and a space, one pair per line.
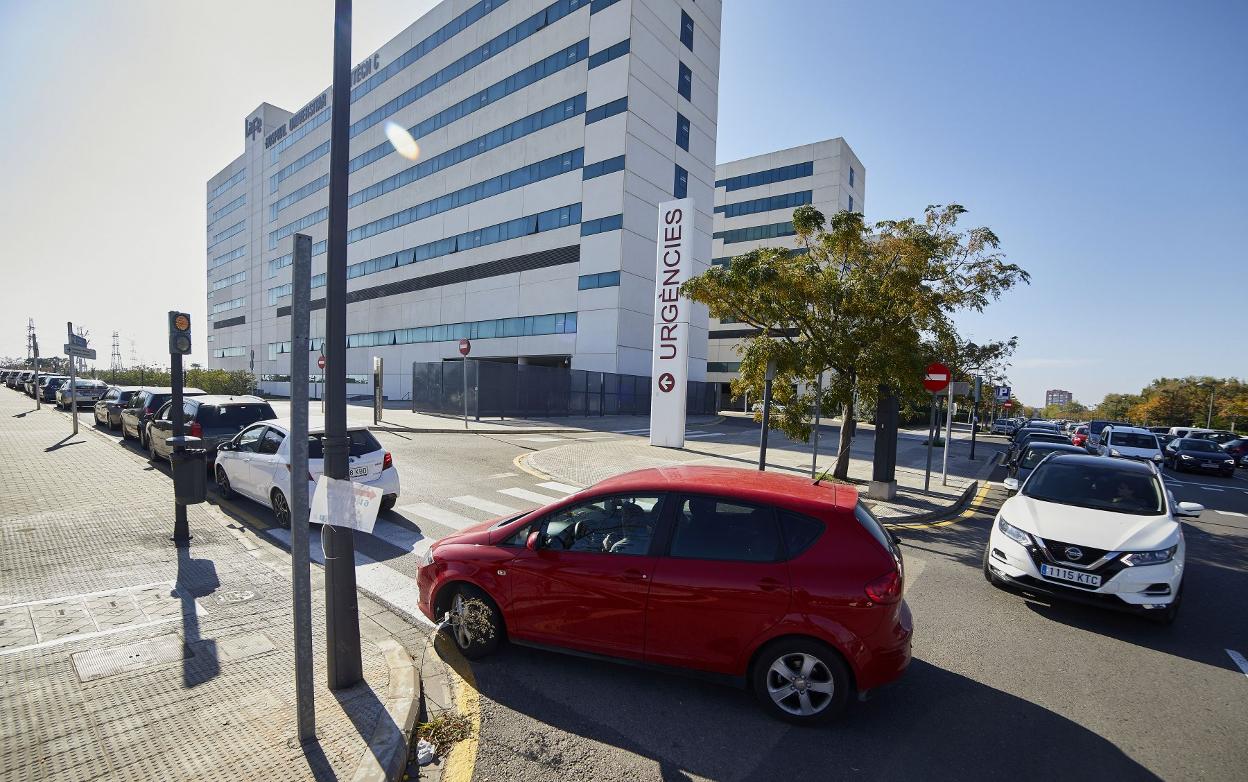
666, 382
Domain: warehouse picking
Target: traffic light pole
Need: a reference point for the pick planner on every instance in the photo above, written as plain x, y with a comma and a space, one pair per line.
181, 531
342, 623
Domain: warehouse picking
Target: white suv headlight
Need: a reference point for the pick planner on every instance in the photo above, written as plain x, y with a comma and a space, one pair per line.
1013, 533
1149, 557
1157, 457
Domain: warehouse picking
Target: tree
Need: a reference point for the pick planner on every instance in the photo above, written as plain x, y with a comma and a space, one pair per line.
1116, 407
869, 304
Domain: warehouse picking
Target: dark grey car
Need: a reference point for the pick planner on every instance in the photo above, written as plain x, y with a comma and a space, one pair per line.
1031, 455
213, 418
108, 409
143, 405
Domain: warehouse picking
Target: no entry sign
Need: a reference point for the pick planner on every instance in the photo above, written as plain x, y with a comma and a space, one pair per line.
937, 378
320, 361
465, 347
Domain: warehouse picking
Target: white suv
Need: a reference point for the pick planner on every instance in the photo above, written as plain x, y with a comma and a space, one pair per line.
1130, 442
1099, 531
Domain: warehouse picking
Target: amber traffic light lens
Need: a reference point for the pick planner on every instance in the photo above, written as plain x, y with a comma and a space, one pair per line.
182, 323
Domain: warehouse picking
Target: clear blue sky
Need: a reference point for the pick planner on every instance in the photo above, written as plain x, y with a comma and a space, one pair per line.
1104, 142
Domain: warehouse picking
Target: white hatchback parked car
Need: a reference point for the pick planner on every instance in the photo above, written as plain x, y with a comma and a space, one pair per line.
256, 464
1092, 530
1130, 442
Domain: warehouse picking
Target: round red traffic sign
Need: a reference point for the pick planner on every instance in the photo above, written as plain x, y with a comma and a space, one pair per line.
320, 361
937, 377
465, 347
1007, 404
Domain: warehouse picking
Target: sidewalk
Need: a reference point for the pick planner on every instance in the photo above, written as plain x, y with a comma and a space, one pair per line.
586, 463
401, 418
126, 658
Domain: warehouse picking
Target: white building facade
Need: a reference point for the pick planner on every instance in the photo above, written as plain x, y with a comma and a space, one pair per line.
754, 202
549, 132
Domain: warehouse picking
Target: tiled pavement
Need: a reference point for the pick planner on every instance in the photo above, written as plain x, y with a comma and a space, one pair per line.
88, 574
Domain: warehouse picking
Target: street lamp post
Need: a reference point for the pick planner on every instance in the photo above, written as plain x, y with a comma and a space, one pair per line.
1209, 418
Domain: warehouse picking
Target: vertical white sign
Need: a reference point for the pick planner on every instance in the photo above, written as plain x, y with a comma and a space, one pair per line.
669, 373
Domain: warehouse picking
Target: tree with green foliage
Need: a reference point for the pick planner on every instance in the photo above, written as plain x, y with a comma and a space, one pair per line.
870, 305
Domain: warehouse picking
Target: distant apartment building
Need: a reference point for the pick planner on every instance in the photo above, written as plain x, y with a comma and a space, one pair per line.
549, 132
754, 202
1056, 396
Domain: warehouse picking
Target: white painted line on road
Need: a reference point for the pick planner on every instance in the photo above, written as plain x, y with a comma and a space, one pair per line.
401, 537
96, 634
752, 452
497, 508
531, 496
560, 487
1232, 513
1213, 488
439, 515
540, 439
501, 475
705, 434
1239, 660
629, 431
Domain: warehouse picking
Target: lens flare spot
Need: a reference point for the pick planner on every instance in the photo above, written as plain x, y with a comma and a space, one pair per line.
402, 141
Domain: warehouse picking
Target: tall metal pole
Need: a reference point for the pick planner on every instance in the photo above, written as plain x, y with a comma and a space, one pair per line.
301, 583
1209, 418
762, 441
814, 451
944, 459
181, 530
342, 612
38, 405
73, 377
931, 435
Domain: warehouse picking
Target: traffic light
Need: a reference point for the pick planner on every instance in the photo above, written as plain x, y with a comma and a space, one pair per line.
179, 333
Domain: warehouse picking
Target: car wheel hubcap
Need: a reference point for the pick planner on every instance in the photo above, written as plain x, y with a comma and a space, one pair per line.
800, 684
459, 622
280, 510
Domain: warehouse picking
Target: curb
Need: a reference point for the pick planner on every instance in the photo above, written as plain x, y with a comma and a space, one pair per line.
386, 754
414, 430
439, 682
957, 507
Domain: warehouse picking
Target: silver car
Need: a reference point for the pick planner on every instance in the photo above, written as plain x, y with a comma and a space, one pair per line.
87, 392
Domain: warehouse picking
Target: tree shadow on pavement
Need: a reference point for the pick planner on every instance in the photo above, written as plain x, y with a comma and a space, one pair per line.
932, 724
196, 578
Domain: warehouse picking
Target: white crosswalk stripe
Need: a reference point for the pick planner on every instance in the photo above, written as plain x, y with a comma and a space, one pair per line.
531, 496
438, 515
540, 439
693, 435
560, 487
489, 506
401, 537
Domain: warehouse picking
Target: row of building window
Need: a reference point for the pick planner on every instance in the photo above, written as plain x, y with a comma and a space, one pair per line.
299, 134
298, 195
497, 328
756, 233
598, 5
234, 179
433, 41
771, 175
771, 203
277, 264
497, 45
525, 175
608, 54
551, 115
226, 282
602, 225
221, 260
233, 230
603, 167
517, 81
229, 352
597, 113
601, 280
686, 30
680, 187
224, 306
682, 131
303, 161
230, 207
298, 225
280, 292
723, 366
684, 82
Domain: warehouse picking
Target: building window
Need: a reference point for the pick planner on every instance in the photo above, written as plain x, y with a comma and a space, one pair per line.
786, 201
603, 167
235, 178
598, 5
723, 366
686, 30
233, 230
795, 171
756, 233
224, 259
851, 176
226, 282
682, 131
608, 54
684, 82
280, 292
234, 352
602, 225
606, 110
603, 280
232, 304
680, 188
851, 203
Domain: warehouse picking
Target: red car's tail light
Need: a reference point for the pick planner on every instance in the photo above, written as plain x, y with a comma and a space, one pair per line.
885, 589
196, 429
387, 462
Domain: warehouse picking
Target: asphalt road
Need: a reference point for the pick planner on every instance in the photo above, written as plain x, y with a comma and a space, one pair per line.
1002, 685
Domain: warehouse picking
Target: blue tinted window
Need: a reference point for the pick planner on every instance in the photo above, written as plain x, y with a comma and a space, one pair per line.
686, 30
851, 176
786, 201
230, 207
684, 82
608, 54
606, 110
682, 131
680, 188
602, 280
723, 366
233, 230
602, 224
756, 233
235, 178
223, 259
795, 171
598, 5
603, 167
851, 203
298, 195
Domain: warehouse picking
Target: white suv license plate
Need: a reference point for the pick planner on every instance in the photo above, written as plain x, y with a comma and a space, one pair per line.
359, 472
1074, 576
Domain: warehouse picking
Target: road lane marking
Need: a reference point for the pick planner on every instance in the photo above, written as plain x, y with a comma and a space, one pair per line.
695, 435
1239, 660
559, 487
500, 475
401, 537
1232, 513
439, 515
629, 431
531, 496
497, 508
541, 439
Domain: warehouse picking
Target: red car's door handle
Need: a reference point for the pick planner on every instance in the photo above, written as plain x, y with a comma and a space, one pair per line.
635, 575
769, 584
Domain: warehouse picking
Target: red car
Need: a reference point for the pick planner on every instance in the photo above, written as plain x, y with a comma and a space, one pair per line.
791, 588
1080, 437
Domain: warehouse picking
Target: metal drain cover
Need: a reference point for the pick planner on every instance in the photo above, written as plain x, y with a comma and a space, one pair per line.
235, 596
98, 663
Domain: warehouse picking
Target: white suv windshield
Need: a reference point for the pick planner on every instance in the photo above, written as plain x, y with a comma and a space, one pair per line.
1132, 440
1102, 488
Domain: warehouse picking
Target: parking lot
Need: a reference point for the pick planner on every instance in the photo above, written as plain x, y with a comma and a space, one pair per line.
1001, 683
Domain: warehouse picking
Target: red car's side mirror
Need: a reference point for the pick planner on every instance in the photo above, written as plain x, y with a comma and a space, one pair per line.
535, 541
